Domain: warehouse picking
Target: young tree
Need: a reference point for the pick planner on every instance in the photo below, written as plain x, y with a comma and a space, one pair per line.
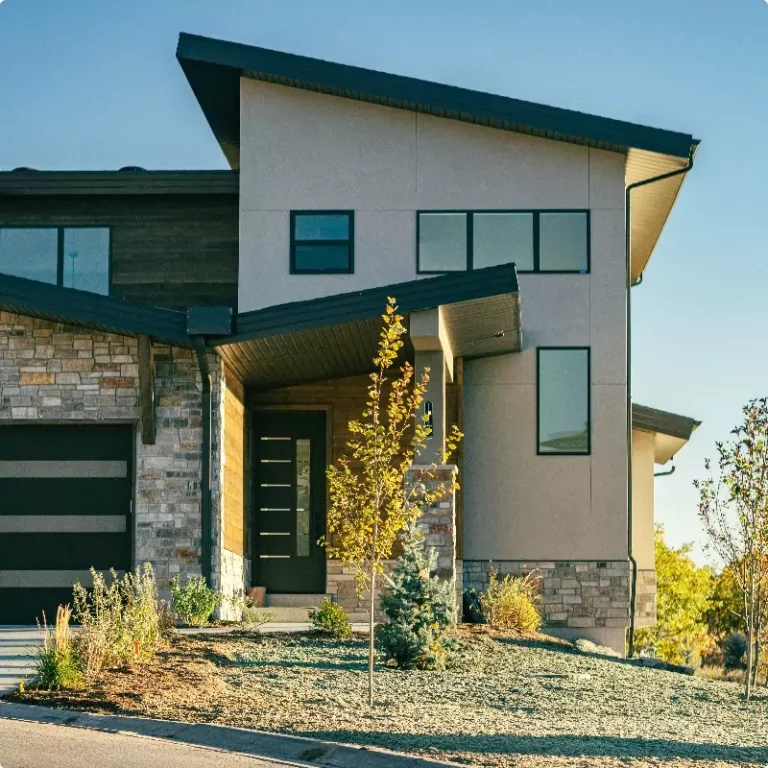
733, 505
371, 502
683, 594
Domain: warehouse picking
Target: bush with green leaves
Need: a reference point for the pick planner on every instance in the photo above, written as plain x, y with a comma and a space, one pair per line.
331, 620
119, 620
509, 603
735, 651
419, 608
57, 664
194, 602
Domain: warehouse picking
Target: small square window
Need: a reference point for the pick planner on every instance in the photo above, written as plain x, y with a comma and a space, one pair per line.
563, 245
442, 242
86, 259
502, 238
322, 242
30, 253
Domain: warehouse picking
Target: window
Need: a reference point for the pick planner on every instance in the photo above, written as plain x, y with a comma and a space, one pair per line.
536, 241
563, 406
73, 257
322, 242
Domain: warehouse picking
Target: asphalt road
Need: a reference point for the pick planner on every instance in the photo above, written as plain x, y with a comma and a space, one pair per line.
35, 745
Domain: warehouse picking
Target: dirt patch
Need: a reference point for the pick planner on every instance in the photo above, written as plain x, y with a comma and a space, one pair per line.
510, 701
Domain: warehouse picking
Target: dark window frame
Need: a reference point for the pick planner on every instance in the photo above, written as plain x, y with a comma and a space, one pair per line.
349, 242
536, 213
60, 250
539, 350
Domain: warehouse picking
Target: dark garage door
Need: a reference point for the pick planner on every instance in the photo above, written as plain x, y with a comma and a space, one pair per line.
65, 505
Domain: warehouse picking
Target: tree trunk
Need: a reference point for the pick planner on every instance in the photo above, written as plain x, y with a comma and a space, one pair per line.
750, 629
371, 644
757, 659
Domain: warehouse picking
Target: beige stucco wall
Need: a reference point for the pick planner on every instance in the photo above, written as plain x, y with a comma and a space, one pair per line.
642, 499
301, 150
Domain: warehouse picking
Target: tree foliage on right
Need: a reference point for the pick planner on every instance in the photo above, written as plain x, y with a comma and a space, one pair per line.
733, 506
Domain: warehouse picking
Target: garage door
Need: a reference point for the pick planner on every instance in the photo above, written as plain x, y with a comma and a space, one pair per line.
65, 505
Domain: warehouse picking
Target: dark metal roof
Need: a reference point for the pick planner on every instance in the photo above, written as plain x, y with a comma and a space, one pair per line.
672, 424
73, 307
214, 67
119, 182
336, 336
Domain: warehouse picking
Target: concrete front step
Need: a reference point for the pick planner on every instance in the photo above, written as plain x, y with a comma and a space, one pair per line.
293, 601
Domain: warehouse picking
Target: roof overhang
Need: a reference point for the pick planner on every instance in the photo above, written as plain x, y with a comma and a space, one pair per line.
88, 310
671, 431
214, 68
336, 336
30, 182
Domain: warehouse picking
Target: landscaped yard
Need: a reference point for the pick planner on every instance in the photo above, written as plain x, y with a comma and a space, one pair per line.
511, 702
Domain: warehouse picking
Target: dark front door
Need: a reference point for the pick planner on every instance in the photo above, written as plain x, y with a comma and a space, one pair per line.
65, 505
289, 508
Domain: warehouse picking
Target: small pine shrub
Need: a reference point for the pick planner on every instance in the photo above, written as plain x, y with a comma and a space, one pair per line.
57, 663
195, 602
331, 620
735, 651
419, 608
509, 603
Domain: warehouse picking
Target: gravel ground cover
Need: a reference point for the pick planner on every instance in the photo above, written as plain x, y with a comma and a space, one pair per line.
509, 702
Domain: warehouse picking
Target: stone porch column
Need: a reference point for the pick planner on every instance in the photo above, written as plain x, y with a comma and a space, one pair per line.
438, 521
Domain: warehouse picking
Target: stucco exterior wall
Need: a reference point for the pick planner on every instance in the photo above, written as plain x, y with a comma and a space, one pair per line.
642, 499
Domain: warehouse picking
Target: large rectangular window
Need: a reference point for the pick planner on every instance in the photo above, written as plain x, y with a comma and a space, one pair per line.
535, 241
73, 257
563, 400
322, 242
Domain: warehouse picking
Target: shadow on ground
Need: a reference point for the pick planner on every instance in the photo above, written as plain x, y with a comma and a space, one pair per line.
555, 746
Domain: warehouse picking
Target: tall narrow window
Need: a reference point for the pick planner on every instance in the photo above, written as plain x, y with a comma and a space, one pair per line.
322, 242
303, 497
563, 407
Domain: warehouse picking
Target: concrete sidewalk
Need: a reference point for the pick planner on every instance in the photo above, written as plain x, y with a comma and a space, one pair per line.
293, 750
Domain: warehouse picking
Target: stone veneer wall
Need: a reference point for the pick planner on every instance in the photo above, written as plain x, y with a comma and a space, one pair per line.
59, 373
574, 594
645, 604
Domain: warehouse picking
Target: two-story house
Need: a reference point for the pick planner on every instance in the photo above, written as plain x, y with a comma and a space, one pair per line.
181, 351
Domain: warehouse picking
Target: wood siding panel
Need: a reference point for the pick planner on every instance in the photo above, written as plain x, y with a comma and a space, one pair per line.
233, 471
172, 251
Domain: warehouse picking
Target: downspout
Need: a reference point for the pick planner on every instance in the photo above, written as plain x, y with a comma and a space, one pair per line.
667, 473
205, 484
628, 246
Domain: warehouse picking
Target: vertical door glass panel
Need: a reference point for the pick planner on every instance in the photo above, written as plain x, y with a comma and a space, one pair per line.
563, 405
563, 243
30, 253
442, 242
86, 259
303, 509
502, 238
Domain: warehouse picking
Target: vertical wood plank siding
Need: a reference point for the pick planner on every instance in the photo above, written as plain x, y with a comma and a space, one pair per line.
233, 480
167, 250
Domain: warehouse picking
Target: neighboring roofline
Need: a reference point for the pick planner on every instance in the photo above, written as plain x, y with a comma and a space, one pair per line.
214, 67
72, 307
662, 422
219, 182
411, 296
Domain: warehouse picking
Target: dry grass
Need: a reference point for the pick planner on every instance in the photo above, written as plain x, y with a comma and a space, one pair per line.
519, 701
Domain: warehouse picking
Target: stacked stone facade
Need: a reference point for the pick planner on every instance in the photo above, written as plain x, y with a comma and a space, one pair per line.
645, 600
574, 594
58, 373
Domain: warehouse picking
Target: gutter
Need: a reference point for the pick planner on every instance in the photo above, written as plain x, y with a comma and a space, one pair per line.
628, 246
205, 473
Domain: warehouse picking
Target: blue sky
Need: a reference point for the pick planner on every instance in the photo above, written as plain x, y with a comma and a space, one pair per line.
95, 84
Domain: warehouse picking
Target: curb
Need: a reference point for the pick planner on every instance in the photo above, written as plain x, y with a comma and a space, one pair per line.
293, 750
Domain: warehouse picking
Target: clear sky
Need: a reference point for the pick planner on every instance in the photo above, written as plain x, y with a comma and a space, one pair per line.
95, 84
